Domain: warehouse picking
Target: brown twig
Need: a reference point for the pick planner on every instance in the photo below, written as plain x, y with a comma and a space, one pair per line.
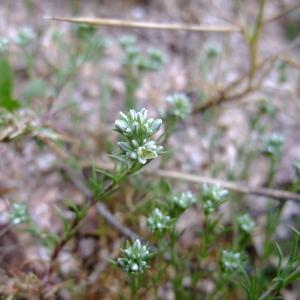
290, 61
231, 185
234, 186
147, 25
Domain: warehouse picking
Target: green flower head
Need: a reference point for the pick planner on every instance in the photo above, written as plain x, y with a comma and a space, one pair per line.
246, 223
183, 200
273, 145
180, 105
19, 213
231, 260
158, 222
212, 196
25, 36
135, 257
137, 130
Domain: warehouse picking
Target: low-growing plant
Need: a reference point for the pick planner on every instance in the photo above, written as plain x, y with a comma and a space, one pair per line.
183, 236
135, 65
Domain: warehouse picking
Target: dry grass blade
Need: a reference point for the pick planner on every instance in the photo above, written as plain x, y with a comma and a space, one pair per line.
147, 25
230, 185
292, 62
234, 186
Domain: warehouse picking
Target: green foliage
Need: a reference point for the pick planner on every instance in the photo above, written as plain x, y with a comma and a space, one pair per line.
217, 249
7, 100
25, 36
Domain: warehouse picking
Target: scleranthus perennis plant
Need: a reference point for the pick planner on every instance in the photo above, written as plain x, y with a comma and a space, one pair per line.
231, 260
135, 257
179, 202
19, 213
246, 223
158, 221
273, 145
180, 105
212, 196
136, 64
137, 130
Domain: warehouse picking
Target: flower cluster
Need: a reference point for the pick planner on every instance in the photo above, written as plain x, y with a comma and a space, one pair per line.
183, 200
19, 213
273, 145
25, 36
231, 260
158, 222
212, 196
138, 129
246, 223
180, 105
135, 257
152, 61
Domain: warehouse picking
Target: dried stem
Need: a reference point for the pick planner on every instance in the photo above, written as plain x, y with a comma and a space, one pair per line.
231, 185
147, 25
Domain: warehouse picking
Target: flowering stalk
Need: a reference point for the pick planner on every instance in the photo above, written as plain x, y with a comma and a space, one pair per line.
179, 109
137, 149
135, 64
134, 261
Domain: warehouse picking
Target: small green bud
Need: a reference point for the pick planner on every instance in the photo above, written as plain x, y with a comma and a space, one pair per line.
246, 223
182, 200
180, 105
273, 145
158, 222
25, 36
212, 196
19, 213
128, 41
231, 261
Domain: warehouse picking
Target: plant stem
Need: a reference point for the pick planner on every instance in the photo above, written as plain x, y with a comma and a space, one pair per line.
108, 189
